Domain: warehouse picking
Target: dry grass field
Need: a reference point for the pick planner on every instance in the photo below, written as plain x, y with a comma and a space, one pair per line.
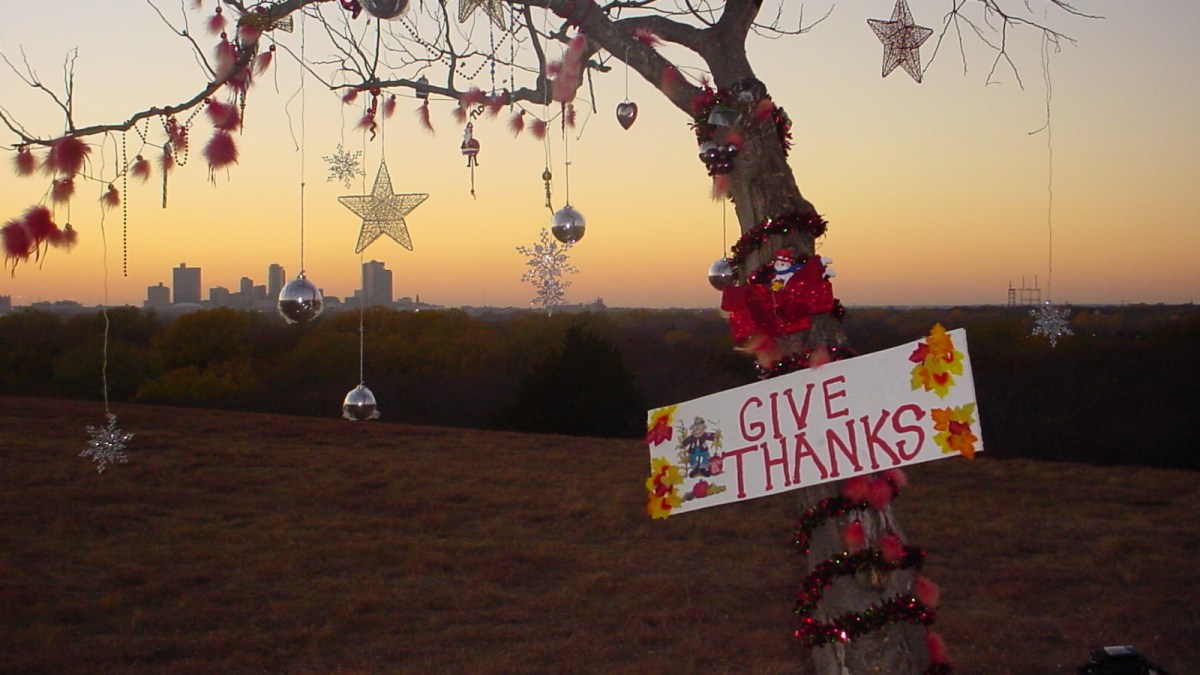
249, 543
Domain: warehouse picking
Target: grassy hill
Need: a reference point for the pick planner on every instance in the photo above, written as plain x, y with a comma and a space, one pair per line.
237, 542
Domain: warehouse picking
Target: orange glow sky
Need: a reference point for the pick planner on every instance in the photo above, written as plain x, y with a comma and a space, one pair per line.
936, 193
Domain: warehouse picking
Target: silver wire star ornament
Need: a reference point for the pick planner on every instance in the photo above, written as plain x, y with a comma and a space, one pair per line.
344, 166
1051, 322
383, 211
901, 40
494, 9
547, 263
107, 444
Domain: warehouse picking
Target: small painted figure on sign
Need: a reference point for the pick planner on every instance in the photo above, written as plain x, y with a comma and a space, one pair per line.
699, 448
785, 267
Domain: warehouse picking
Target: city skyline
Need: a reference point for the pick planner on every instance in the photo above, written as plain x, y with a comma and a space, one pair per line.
936, 194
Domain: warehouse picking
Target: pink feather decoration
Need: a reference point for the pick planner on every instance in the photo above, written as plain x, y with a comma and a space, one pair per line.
879, 494
67, 238
891, 548
263, 60
474, 96
241, 80
226, 55
367, 121
896, 476
423, 115
166, 160
224, 116
646, 37
66, 156
926, 592
350, 96
24, 162
111, 198
495, 104
197, 4
140, 169
516, 123
61, 191
938, 654
216, 22
720, 187
17, 241
569, 115
538, 129
855, 489
39, 223
762, 111
670, 80
221, 150
460, 113
389, 107
853, 537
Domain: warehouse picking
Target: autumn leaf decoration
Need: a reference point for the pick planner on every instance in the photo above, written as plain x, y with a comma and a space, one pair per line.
937, 363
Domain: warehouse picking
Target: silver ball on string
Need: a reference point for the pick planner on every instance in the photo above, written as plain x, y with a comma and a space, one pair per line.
359, 405
385, 9
300, 301
568, 225
721, 274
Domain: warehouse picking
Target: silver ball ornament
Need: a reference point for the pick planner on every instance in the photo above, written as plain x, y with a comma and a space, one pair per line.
359, 405
384, 9
300, 301
721, 274
568, 225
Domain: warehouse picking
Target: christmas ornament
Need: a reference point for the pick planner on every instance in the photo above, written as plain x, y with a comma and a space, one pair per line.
568, 225
359, 405
470, 148
627, 114
384, 9
1051, 322
901, 40
383, 211
547, 263
107, 444
722, 274
300, 301
344, 166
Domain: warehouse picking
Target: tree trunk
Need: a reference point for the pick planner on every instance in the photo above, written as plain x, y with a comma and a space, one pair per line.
762, 186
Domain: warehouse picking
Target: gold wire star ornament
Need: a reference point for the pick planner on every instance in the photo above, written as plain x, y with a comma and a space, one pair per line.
493, 8
901, 40
383, 211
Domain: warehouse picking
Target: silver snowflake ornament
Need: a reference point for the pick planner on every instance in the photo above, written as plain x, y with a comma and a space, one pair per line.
1051, 322
107, 444
547, 263
344, 166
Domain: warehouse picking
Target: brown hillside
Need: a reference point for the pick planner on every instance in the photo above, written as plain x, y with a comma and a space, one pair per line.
239, 543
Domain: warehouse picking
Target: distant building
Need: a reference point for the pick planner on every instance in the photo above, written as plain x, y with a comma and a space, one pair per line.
259, 294
377, 283
187, 284
246, 287
5, 304
218, 296
276, 280
157, 297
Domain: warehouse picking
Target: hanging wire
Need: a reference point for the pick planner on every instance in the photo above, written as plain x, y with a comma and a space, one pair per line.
1050, 170
303, 132
362, 313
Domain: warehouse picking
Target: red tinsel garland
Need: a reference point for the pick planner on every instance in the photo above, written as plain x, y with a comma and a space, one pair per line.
810, 223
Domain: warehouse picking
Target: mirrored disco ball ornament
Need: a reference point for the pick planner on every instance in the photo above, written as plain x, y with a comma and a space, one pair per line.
300, 301
359, 405
568, 225
721, 274
385, 9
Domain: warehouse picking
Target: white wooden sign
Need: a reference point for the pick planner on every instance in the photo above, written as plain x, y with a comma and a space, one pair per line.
906, 405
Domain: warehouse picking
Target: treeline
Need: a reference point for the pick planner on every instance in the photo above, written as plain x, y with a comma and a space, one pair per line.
1120, 391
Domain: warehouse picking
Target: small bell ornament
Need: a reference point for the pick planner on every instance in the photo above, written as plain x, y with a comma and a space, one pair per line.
300, 301
627, 114
359, 405
384, 9
568, 225
721, 274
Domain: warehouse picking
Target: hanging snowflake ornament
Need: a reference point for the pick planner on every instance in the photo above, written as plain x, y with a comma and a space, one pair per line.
547, 263
902, 41
1051, 322
107, 444
344, 166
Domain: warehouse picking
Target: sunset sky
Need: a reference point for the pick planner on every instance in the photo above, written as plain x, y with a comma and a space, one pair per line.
936, 193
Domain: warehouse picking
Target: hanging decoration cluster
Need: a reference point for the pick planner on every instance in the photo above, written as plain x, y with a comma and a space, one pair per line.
916, 604
719, 115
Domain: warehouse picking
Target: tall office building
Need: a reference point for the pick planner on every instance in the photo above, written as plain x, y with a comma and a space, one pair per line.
186, 284
157, 297
377, 283
246, 287
276, 279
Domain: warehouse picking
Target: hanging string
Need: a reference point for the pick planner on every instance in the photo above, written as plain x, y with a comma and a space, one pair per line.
1050, 169
303, 133
566, 162
362, 313
104, 311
